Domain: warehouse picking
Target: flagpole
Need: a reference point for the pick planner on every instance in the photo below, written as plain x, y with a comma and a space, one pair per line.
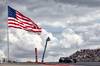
7, 33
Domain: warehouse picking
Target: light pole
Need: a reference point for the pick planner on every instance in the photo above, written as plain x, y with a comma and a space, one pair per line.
48, 39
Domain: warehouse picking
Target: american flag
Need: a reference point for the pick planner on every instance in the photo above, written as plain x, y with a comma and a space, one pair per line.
18, 20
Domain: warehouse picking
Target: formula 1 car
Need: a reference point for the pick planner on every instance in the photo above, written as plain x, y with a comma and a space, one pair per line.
67, 60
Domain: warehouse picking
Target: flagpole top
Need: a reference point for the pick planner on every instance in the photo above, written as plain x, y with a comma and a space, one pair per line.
6, 2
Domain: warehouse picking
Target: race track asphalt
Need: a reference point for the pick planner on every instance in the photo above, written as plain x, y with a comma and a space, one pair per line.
52, 64
78, 63
21, 64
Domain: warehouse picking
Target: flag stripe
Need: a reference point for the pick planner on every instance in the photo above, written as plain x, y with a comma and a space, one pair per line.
11, 23
25, 22
24, 26
14, 26
19, 17
33, 30
13, 20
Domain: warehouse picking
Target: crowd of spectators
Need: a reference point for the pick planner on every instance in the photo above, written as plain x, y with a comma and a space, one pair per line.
87, 55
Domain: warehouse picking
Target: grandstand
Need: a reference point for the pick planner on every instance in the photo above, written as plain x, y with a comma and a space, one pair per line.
87, 55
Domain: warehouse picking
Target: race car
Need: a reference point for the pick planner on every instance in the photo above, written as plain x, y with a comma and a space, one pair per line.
67, 60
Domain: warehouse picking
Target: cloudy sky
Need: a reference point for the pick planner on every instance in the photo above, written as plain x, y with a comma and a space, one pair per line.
71, 25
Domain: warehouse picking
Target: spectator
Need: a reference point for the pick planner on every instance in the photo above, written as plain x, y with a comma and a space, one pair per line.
87, 55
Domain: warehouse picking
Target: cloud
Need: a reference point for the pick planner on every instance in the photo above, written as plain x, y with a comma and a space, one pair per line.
57, 13
23, 43
89, 3
2, 55
71, 37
